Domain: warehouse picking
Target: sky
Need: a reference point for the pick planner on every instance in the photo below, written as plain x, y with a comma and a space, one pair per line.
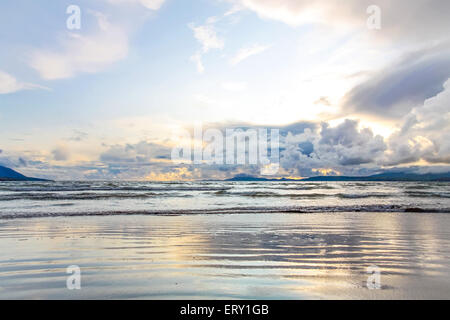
355, 87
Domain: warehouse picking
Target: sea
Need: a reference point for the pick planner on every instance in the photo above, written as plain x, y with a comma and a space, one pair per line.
79, 198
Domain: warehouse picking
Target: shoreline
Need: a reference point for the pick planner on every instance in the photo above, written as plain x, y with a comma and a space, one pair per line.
228, 211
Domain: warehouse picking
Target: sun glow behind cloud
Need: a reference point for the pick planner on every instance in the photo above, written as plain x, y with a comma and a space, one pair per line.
179, 174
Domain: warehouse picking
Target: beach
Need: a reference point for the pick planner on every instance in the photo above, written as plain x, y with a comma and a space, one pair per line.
227, 256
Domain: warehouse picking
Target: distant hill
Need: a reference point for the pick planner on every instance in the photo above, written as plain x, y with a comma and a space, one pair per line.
7, 174
387, 176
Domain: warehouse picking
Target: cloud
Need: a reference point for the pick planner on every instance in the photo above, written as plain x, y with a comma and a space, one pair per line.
424, 133
395, 90
350, 145
78, 136
60, 153
149, 4
197, 58
306, 149
152, 4
323, 101
9, 84
247, 52
292, 12
143, 161
420, 20
207, 36
344, 148
142, 152
83, 54
176, 174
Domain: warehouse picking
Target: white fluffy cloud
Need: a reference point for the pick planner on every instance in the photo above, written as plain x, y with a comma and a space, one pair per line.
345, 148
422, 138
424, 134
83, 54
207, 36
9, 84
94, 50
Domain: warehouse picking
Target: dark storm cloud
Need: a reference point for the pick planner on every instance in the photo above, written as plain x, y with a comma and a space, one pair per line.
394, 91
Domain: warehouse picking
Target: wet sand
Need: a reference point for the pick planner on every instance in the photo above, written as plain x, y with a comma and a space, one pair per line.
240, 256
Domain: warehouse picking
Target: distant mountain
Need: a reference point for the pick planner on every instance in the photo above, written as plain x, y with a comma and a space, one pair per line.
7, 174
387, 176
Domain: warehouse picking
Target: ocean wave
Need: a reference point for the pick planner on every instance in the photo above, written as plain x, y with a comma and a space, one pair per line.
424, 194
86, 196
268, 194
362, 195
81, 186
418, 187
302, 187
234, 210
93, 188
300, 195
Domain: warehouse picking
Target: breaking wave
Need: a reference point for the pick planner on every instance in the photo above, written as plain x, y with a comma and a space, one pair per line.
87, 196
423, 194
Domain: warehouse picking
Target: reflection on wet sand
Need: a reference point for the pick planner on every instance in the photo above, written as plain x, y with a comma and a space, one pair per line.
263, 256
